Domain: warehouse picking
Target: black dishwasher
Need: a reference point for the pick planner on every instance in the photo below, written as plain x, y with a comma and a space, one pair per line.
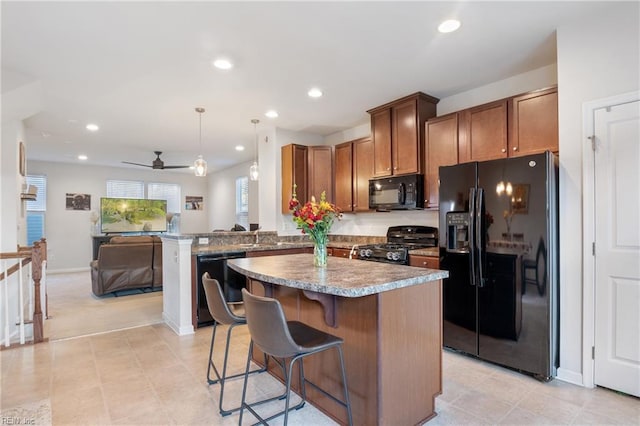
231, 281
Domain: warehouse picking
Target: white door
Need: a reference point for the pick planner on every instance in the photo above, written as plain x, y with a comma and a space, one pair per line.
617, 261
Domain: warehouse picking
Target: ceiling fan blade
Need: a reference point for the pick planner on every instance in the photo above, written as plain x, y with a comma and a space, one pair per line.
176, 167
137, 164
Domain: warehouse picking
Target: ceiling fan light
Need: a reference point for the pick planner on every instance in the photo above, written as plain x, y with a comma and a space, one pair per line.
254, 173
200, 167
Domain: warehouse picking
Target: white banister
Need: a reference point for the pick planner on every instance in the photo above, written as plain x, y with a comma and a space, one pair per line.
5, 286
20, 302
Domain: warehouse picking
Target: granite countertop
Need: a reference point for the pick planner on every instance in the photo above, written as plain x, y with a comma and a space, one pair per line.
341, 277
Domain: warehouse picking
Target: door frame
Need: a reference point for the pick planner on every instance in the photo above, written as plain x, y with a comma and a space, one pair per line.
588, 229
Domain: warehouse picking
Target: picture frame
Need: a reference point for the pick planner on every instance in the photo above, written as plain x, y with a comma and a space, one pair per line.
520, 199
22, 159
75, 201
193, 202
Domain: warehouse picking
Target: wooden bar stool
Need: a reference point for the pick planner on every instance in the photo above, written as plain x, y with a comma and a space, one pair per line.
293, 340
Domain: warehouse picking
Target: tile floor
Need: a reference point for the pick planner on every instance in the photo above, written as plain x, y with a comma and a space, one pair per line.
149, 375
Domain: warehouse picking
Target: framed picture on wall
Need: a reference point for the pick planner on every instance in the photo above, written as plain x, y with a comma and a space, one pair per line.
193, 202
78, 201
22, 160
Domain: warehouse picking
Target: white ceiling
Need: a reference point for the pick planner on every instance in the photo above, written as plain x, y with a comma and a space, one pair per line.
138, 69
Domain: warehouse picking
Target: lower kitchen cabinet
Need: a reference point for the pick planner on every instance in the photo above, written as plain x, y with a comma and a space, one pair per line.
430, 262
342, 252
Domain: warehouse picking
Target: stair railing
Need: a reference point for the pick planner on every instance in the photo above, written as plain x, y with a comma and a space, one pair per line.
34, 259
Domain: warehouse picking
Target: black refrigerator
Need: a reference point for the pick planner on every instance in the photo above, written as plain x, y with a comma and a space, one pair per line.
498, 240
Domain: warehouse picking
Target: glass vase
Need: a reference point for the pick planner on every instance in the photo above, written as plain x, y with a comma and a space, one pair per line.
320, 254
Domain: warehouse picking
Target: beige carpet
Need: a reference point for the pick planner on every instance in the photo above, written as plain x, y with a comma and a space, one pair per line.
74, 310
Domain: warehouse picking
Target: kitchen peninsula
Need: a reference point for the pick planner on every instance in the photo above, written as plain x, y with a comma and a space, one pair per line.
389, 317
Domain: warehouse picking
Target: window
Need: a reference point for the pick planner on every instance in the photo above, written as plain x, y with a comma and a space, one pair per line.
36, 209
242, 201
125, 189
165, 191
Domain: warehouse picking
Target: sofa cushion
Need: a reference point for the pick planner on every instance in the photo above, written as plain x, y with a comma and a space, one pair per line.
134, 239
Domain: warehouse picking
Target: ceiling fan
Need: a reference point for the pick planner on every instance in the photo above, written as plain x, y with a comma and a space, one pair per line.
157, 164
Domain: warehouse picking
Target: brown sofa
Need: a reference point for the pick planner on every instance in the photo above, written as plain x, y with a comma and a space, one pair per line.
127, 263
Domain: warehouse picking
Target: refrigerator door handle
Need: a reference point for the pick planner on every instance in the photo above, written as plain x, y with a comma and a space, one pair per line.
472, 232
478, 235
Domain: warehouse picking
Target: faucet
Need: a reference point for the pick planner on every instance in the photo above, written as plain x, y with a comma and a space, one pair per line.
256, 234
353, 251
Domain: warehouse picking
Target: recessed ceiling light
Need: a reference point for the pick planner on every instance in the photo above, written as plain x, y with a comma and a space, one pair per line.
271, 113
314, 92
222, 64
239, 148
82, 157
449, 26
92, 127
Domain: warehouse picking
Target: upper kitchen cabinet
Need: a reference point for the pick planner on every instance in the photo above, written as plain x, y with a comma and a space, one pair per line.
344, 176
483, 132
441, 150
353, 169
320, 171
398, 134
294, 172
362, 172
533, 122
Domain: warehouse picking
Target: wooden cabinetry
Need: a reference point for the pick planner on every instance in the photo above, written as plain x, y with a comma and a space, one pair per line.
353, 169
441, 150
320, 171
533, 122
483, 132
342, 252
521, 125
279, 252
344, 176
294, 172
398, 134
424, 261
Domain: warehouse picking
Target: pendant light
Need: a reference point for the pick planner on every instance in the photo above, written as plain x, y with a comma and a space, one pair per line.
253, 170
200, 165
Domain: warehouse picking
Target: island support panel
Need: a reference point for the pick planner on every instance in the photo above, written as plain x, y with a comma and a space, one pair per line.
392, 348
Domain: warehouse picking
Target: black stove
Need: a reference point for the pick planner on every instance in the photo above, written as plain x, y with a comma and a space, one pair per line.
400, 239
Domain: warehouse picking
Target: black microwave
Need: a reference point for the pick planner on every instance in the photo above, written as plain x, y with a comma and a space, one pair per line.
396, 193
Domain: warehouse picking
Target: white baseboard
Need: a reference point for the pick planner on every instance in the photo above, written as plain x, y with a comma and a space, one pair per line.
570, 376
180, 331
67, 271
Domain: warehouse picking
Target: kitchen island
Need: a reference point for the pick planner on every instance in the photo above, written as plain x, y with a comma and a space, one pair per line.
390, 317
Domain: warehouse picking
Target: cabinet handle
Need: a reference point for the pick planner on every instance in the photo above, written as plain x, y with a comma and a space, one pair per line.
388, 168
515, 148
504, 150
424, 263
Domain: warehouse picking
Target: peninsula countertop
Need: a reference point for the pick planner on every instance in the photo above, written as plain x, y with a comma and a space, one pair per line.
341, 277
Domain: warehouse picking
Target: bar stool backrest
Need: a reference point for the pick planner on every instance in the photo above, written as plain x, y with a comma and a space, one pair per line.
268, 326
216, 303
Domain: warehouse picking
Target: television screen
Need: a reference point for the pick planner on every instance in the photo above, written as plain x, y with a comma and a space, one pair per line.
132, 215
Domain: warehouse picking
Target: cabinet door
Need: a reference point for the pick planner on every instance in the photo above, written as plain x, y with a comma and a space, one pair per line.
533, 122
381, 130
320, 172
344, 176
294, 172
405, 152
362, 172
485, 131
442, 150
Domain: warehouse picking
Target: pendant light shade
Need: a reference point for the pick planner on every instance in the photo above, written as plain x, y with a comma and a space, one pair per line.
254, 172
200, 166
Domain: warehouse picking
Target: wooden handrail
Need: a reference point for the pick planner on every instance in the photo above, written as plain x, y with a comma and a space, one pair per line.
15, 267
